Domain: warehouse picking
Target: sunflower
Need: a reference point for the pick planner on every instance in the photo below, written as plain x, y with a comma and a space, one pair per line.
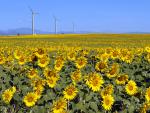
43, 61
113, 72
38, 91
76, 76
33, 73
104, 57
40, 53
2, 59
147, 94
122, 79
58, 64
123, 54
145, 107
107, 102
70, 92
101, 66
59, 106
129, 58
52, 82
30, 99
38, 82
148, 57
115, 54
107, 91
13, 89
17, 54
131, 88
48, 73
94, 81
8, 94
147, 49
71, 56
22, 60
81, 62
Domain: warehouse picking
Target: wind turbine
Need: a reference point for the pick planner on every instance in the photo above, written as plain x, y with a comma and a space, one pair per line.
55, 23
73, 27
33, 17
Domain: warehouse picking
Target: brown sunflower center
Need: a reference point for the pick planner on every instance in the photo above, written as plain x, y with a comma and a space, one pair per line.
101, 65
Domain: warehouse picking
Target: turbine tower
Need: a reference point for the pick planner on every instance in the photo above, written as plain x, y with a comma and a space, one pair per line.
33, 20
55, 24
73, 27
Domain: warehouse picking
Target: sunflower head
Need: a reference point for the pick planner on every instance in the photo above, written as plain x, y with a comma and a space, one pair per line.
147, 49
32, 73
94, 81
58, 65
122, 79
43, 61
30, 99
22, 60
70, 92
59, 106
101, 66
2, 59
131, 88
107, 102
107, 91
76, 76
81, 62
7, 96
147, 94
52, 81
114, 70
48, 73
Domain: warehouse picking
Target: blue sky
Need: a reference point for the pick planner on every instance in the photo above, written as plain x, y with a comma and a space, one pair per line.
88, 15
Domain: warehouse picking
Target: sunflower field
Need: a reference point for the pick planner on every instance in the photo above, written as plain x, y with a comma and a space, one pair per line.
75, 74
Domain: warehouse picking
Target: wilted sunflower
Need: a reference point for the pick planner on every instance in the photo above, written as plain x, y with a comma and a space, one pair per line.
60, 106
30, 99
101, 66
122, 79
8, 94
114, 70
147, 94
131, 88
76, 76
107, 91
70, 92
43, 61
107, 102
80, 62
94, 81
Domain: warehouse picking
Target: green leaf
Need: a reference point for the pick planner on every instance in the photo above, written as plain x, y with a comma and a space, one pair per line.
94, 106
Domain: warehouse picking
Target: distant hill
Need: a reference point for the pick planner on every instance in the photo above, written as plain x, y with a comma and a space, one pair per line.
25, 31
21, 31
